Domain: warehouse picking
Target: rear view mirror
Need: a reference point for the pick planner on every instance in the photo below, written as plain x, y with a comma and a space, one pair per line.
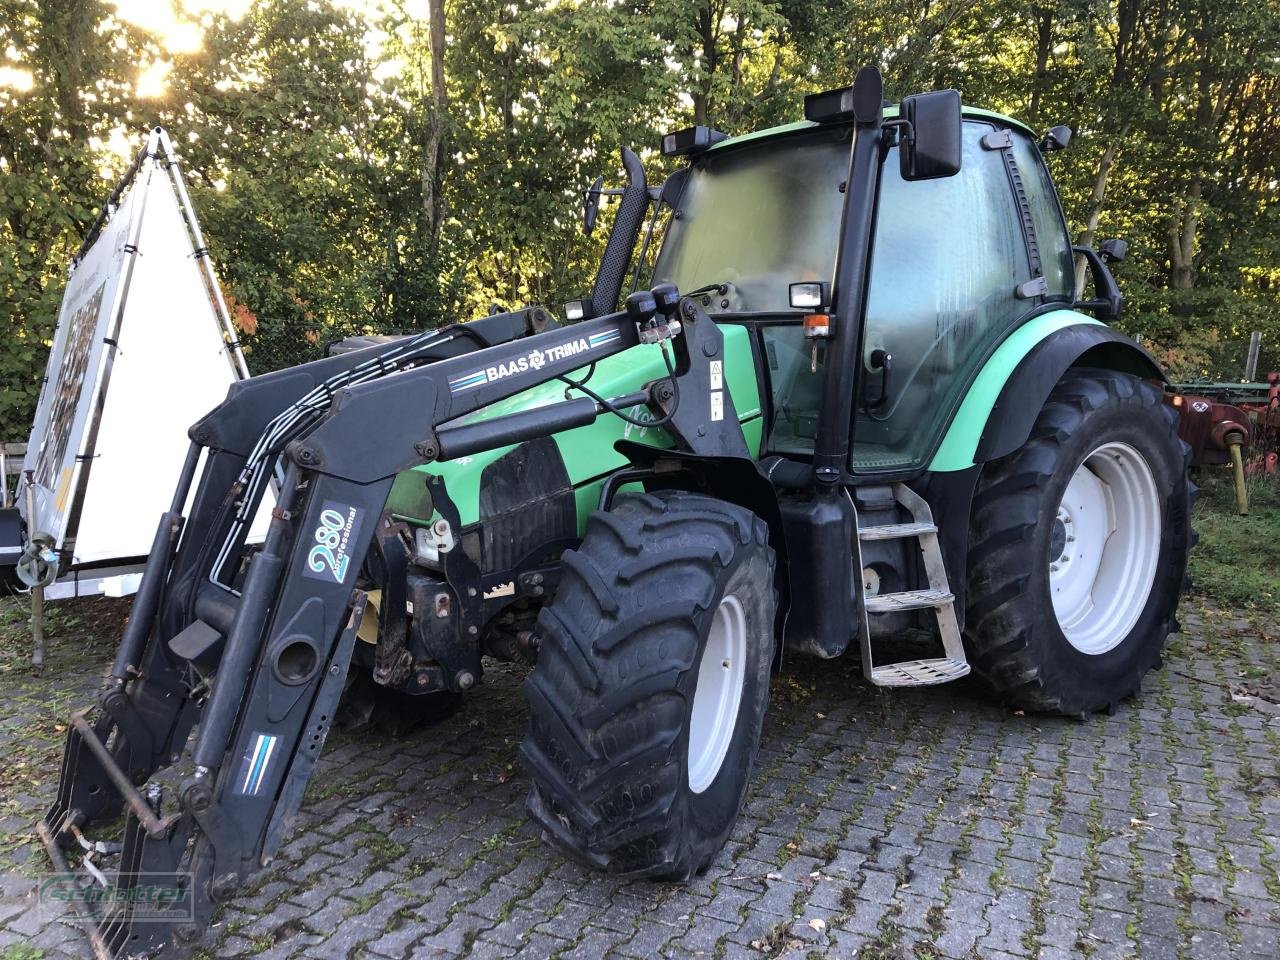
1113, 250
1107, 300
1056, 139
591, 206
931, 147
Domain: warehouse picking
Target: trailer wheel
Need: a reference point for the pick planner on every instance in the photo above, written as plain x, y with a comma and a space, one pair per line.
1078, 548
651, 684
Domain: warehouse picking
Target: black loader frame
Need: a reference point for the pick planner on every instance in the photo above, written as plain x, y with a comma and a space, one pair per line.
258, 655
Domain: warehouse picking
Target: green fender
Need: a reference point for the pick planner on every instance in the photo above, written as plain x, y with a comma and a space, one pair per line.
587, 452
960, 448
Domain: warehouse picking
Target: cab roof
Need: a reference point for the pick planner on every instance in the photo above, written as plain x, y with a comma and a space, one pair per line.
890, 112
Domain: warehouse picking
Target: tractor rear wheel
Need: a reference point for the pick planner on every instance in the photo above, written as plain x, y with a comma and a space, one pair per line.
1078, 548
650, 688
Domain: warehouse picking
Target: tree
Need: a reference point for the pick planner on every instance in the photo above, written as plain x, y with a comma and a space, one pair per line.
352, 186
79, 58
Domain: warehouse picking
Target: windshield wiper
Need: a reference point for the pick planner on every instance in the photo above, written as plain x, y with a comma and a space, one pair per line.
720, 288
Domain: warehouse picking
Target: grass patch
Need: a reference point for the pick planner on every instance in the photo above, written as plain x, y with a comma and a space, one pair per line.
1237, 562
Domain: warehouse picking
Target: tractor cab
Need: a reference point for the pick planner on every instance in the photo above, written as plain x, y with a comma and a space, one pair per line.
759, 216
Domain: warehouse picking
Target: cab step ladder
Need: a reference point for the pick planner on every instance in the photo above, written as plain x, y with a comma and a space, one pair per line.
937, 596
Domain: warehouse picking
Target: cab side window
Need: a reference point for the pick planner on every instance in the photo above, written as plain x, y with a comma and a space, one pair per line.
949, 256
1051, 230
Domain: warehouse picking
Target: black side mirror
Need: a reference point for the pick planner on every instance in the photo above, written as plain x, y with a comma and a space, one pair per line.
1107, 300
931, 147
1114, 250
591, 206
1056, 138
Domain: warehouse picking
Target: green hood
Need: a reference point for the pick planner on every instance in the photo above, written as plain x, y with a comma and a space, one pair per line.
588, 452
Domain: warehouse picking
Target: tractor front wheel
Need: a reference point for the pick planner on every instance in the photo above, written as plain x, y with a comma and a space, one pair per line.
1078, 548
650, 688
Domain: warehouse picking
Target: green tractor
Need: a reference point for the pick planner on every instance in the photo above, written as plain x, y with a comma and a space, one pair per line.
860, 396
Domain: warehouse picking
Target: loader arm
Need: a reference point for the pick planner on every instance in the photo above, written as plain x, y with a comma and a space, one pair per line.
253, 644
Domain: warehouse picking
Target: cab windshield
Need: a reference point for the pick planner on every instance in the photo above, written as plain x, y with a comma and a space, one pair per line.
755, 220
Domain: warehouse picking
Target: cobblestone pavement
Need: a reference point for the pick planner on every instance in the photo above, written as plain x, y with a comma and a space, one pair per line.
908, 824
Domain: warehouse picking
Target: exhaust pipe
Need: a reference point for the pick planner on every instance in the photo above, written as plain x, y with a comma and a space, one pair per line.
622, 238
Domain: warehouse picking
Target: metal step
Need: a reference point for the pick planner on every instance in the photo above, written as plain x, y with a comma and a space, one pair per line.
908, 600
896, 531
936, 596
919, 673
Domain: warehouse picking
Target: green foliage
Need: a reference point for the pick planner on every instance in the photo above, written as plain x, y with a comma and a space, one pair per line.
1237, 561
342, 189
81, 62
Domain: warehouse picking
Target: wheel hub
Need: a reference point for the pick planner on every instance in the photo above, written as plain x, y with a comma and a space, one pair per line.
1061, 538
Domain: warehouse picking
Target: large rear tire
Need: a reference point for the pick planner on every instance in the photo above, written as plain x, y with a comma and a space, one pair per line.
650, 688
1078, 548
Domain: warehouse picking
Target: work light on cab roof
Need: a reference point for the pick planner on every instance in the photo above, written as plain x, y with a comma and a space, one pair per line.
691, 141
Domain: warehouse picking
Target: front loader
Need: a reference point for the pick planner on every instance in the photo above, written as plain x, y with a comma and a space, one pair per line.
828, 419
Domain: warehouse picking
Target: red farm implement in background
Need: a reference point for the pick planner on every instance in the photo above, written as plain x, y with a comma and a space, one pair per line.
1231, 423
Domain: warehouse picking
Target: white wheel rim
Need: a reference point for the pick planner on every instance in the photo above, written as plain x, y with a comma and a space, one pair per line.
717, 693
1104, 548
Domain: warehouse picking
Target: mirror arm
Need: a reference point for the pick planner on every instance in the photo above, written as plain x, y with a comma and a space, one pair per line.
1110, 301
905, 131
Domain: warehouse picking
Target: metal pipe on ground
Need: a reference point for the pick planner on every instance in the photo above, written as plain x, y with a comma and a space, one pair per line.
1251, 359
37, 593
1235, 444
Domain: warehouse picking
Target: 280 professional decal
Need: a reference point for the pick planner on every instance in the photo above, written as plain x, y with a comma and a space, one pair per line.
327, 559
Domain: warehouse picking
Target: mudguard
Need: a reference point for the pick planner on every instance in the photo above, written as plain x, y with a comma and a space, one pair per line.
1001, 406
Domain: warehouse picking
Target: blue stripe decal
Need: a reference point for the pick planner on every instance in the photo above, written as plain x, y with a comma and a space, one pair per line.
257, 764
259, 751
268, 749
471, 380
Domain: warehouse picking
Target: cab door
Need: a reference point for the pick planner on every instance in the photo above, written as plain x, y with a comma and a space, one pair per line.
949, 274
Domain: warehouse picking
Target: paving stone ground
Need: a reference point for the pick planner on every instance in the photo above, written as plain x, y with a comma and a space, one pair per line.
925, 824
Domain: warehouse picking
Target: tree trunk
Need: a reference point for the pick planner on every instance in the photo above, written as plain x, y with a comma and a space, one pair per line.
1182, 232
707, 36
433, 154
1094, 209
1044, 43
